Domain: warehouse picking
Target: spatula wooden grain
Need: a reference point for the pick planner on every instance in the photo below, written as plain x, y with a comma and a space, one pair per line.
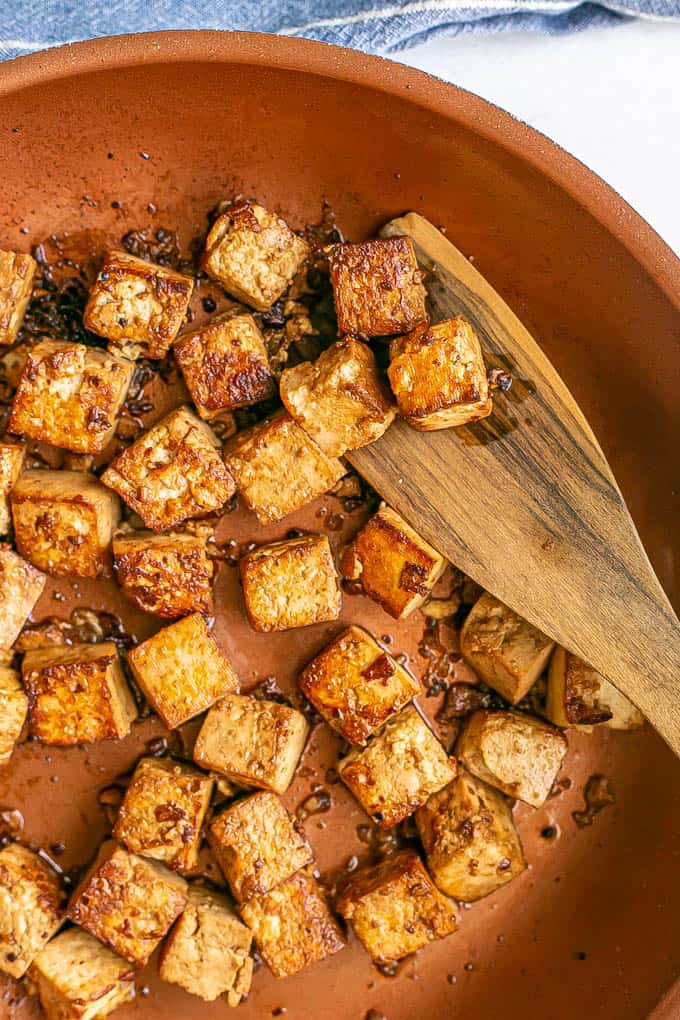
526, 504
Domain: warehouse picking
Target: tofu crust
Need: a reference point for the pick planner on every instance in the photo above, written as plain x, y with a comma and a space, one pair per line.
579, 696
168, 575
12, 456
21, 585
13, 712
30, 908
17, 272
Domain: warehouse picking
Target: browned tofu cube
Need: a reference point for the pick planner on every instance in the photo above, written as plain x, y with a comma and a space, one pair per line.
392, 563
137, 306
182, 671
291, 584
505, 651
80, 979
253, 253
173, 472
163, 811
356, 686
17, 272
225, 365
64, 521
70, 395
77, 694
208, 951
167, 575
13, 711
30, 908
256, 845
11, 462
278, 468
128, 902
21, 586
252, 742
339, 399
579, 696
292, 925
395, 909
470, 840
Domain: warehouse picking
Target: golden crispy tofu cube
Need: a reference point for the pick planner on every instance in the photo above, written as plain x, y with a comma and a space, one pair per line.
17, 272
377, 287
291, 584
278, 468
356, 686
77, 694
339, 399
182, 671
395, 909
64, 521
252, 742
30, 908
470, 840
80, 979
579, 696
207, 952
225, 365
70, 395
392, 563
167, 575
21, 586
13, 711
256, 845
163, 811
12, 457
505, 651
398, 770
292, 925
253, 253
137, 306
128, 902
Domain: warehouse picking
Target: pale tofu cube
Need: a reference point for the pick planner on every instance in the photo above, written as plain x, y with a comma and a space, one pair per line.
339, 399
12, 457
395, 909
392, 563
182, 671
252, 742
579, 696
208, 951
356, 685
506, 652
21, 586
77, 694
292, 925
168, 575
398, 770
17, 272
470, 839
13, 712
257, 845
137, 306
253, 253
30, 908
278, 468
291, 584
64, 522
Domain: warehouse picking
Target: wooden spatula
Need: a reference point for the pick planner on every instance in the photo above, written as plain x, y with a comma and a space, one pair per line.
532, 511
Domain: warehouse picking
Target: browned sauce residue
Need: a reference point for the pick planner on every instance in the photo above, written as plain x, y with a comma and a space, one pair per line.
598, 794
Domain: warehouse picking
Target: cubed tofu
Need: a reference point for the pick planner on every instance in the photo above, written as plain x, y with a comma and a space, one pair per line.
208, 951
253, 253
137, 306
252, 742
30, 908
64, 522
506, 652
469, 837
339, 399
182, 671
356, 685
128, 902
77, 694
21, 586
17, 272
579, 696
70, 395
163, 812
167, 575
398, 770
225, 365
173, 472
257, 845
13, 711
80, 979
395, 909
12, 457
291, 584
278, 468
392, 563
292, 925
